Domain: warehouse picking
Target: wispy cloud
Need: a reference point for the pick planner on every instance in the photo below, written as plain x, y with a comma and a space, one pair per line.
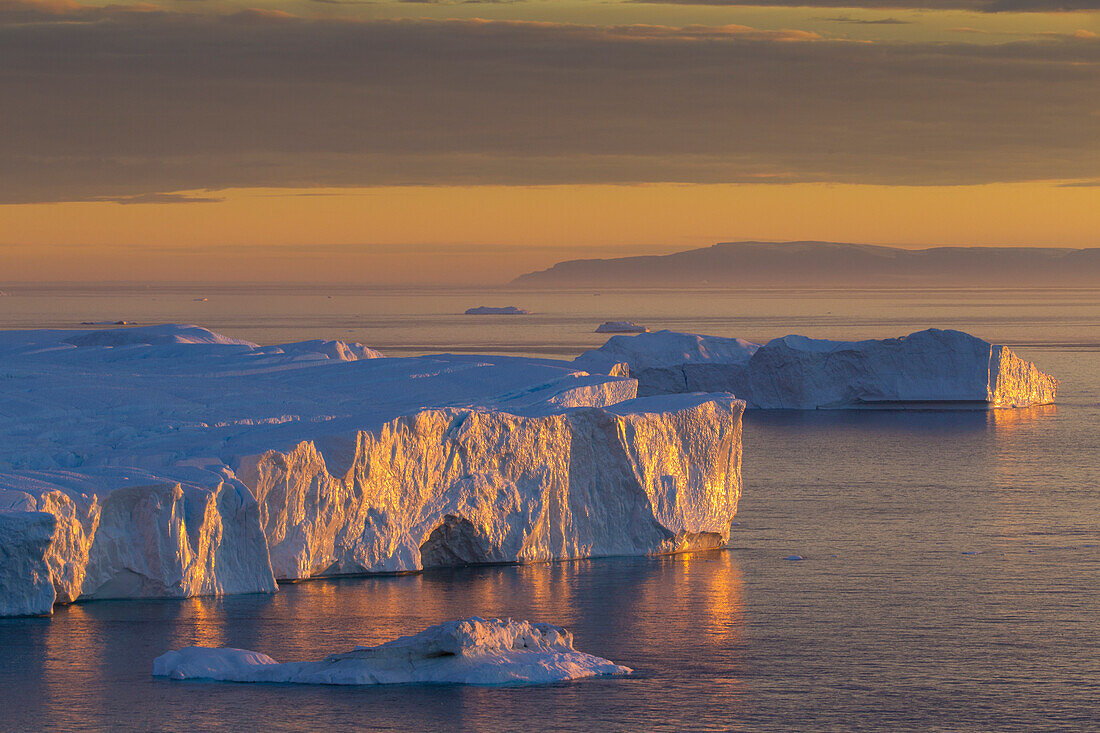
161, 198
865, 21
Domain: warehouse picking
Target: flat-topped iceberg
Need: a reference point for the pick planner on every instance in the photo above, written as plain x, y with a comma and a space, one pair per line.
489, 310
472, 651
172, 461
927, 368
620, 327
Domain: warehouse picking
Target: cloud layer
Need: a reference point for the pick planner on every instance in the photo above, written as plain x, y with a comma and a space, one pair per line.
127, 102
980, 6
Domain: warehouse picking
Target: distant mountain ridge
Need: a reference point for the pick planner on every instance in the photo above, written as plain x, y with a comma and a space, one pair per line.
830, 264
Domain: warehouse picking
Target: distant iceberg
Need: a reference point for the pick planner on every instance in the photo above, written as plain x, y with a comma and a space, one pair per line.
472, 651
620, 327
172, 461
927, 368
486, 310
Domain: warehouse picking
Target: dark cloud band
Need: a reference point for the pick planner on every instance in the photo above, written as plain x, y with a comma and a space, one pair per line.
119, 103
978, 6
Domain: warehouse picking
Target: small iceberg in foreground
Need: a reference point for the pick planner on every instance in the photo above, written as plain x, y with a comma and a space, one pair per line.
488, 310
471, 651
620, 327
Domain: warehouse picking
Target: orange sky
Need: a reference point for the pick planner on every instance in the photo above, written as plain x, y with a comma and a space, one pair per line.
396, 142
489, 234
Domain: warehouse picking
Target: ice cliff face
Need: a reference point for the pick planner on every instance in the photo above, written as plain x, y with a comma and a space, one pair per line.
172, 462
138, 541
1014, 382
26, 586
447, 487
795, 372
472, 651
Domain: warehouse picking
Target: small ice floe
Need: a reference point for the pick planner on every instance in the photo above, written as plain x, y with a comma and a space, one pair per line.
487, 310
794, 558
621, 327
471, 651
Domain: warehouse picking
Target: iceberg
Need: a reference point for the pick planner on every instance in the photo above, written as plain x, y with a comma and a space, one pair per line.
471, 651
488, 310
171, 461
620, 327
456, 487
138, 540
923, 369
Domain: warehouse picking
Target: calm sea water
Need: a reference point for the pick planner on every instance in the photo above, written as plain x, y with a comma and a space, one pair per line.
951, 578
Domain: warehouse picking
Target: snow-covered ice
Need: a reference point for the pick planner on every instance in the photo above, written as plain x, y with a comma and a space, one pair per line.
927, 368
620, 327
488, 310
660, 361
471, 651
172, 461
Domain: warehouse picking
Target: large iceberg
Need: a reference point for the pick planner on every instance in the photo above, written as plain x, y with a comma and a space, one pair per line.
472, 651
171, 461
927, 368
453, 487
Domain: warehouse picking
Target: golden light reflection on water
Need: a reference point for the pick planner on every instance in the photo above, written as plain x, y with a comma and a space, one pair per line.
1009, 419
1018, 512
621, 608
648, 597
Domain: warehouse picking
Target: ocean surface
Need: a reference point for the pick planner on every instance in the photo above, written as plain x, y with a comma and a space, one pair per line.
950, 580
